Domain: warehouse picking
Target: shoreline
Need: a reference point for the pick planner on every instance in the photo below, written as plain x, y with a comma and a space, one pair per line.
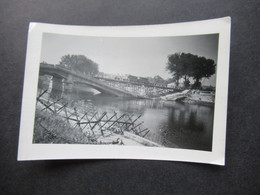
53, 126
191, 97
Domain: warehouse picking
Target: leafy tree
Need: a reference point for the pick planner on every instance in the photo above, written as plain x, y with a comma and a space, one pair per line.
79, 63
202, 67
175, 66
186, 65
180, 65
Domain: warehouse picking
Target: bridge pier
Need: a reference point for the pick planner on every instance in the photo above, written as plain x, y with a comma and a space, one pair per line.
44, 82
57, 87
68, 84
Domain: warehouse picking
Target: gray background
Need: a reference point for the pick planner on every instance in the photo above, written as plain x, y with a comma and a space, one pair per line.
241, 173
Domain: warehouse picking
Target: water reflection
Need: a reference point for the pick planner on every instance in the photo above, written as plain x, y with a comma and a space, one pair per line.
171, 124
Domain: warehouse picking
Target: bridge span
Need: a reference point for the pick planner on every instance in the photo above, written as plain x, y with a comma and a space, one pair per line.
68, 78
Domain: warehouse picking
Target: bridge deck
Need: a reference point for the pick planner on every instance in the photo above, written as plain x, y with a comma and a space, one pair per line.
85, 79
135, 83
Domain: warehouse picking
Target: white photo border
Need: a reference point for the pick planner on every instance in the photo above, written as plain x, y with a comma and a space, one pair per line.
29, 151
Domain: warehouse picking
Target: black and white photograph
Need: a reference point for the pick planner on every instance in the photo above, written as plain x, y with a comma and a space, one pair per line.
127, 89
142, 91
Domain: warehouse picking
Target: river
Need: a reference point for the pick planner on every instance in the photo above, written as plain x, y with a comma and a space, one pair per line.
171, 124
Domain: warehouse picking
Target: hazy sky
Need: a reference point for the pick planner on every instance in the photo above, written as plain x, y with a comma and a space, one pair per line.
135, 55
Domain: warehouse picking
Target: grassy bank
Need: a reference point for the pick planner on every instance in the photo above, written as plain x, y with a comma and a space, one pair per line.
49, 128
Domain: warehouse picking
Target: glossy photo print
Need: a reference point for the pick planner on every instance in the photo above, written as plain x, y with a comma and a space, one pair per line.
137, 92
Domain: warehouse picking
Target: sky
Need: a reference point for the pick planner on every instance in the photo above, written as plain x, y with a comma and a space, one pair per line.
139, 56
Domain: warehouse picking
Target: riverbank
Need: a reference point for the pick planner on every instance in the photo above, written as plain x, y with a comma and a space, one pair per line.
172, 124
57, 123
192, 96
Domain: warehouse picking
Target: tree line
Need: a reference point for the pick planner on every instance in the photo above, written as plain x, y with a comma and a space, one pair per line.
187, 65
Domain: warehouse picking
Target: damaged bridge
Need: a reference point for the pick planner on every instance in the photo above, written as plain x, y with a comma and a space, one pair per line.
64, 80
